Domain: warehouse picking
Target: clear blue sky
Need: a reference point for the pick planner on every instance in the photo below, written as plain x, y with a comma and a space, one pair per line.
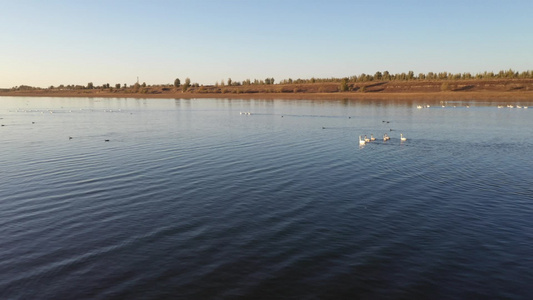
45, 43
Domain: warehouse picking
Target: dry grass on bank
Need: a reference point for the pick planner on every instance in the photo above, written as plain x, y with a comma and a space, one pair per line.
500, 89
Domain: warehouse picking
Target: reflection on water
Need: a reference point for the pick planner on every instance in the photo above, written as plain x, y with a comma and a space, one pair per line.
191, 199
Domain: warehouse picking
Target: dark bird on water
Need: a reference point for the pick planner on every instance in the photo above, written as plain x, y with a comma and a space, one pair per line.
106, 140
70, 138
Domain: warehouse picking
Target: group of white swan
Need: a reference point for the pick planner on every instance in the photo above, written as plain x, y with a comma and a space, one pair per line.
468, 106
363, 141
512, 106
245, 113
442, 105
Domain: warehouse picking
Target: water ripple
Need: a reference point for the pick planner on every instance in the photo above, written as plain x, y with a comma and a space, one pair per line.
189, 198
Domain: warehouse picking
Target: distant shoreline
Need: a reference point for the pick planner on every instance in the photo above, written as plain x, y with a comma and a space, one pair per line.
441, 96
435, 90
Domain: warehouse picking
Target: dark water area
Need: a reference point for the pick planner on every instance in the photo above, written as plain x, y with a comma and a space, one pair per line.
193, 199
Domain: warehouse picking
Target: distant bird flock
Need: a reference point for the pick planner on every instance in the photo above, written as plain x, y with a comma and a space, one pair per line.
362, 140
443, 105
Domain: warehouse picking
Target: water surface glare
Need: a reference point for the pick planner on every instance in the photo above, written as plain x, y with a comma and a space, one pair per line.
196, 199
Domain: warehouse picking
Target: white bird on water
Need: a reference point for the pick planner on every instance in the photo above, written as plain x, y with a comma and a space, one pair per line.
361, 141
402, 138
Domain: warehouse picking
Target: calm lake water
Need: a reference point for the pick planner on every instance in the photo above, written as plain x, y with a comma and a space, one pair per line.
192, 199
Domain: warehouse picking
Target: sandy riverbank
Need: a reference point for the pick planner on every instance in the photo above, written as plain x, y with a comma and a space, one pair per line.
460, 90
430, 96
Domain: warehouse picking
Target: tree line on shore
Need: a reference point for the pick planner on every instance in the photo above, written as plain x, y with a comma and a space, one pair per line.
386, 76
344, 81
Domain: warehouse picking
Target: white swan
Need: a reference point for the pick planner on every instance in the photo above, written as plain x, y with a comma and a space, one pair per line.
367, 140
361, 141
386, 137
402, 138
372, 138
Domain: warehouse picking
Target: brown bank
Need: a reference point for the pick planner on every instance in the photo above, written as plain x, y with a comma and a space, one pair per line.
500, 90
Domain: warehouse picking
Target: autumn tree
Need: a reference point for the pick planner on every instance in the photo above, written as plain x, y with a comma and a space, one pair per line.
186, 85
386, 75
344, 85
